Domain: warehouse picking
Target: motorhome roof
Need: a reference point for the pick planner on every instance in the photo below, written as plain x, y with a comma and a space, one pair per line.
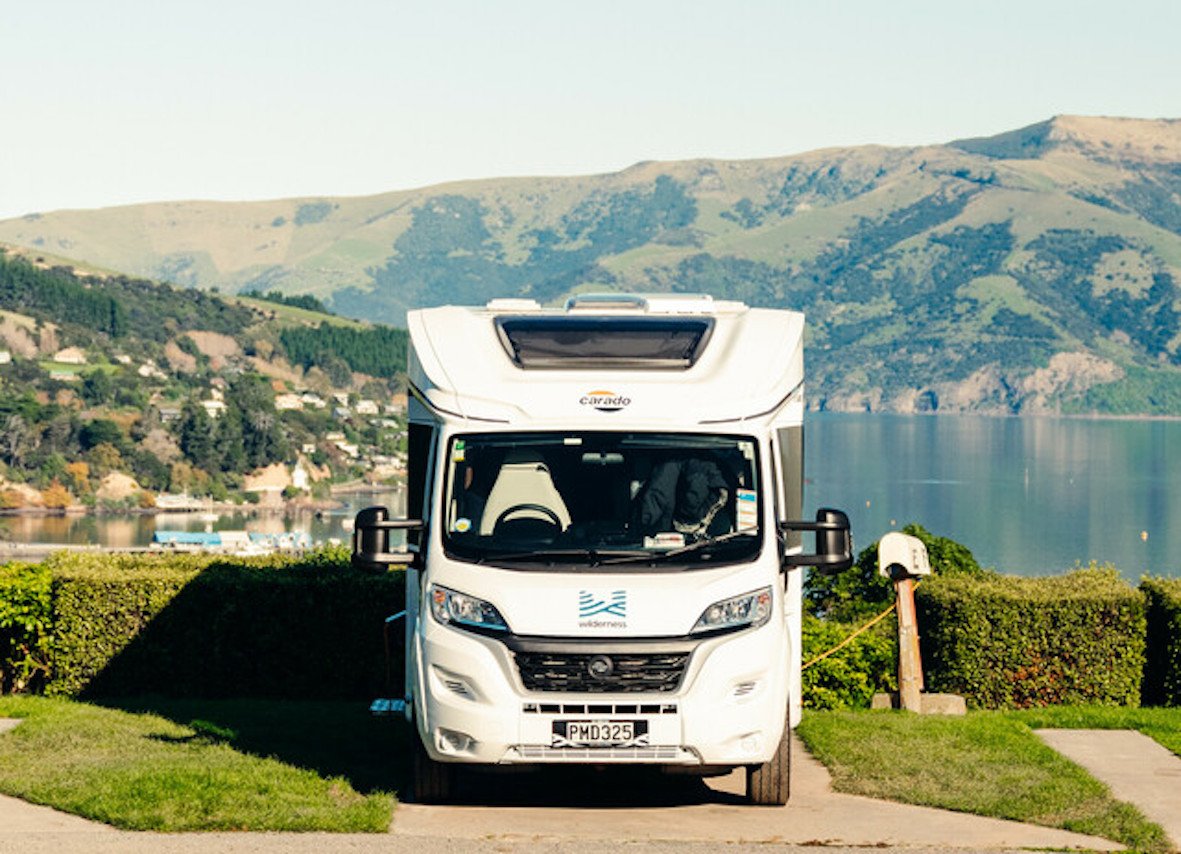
613, 359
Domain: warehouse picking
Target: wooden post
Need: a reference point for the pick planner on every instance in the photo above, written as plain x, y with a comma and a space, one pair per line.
910, 665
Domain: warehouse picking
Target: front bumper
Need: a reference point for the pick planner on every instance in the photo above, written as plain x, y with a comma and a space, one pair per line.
728, 708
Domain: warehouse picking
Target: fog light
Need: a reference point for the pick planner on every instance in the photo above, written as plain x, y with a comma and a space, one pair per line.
450, 741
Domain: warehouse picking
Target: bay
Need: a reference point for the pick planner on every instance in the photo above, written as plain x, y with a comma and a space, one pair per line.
1028, 496
136, 531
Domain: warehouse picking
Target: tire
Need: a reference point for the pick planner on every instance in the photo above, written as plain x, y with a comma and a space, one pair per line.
434, 782
769, 784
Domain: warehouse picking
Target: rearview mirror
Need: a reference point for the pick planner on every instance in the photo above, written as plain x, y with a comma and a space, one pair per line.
834, 541
371, 539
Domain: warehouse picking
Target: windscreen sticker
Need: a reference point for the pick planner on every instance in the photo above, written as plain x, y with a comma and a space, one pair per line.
748, 508
666, 540
462, 525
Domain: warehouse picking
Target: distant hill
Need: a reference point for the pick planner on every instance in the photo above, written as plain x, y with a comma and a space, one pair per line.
167, 388
1033, 271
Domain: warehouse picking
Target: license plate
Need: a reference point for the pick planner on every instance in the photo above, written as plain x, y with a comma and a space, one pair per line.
598, 733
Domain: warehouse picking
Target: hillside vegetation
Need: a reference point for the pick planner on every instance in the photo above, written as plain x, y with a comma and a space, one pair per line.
113, 389
1034, 271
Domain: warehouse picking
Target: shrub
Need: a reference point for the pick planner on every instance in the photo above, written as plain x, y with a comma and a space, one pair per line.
1007, 642
851, 676
56, 496
207, 626
1162, 672
859, 592
11, 499
24, 625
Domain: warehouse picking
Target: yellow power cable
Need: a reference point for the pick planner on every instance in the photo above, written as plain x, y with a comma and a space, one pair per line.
851, 637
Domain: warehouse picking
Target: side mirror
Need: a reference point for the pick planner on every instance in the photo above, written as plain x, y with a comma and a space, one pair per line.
371, 539
834, 541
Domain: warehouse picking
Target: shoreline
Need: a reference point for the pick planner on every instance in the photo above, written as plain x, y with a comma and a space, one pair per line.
294, 507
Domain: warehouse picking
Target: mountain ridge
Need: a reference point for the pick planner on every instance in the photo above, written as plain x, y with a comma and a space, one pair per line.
1035, 270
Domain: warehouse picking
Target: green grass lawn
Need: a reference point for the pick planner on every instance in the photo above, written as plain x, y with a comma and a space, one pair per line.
988, 763
204, 765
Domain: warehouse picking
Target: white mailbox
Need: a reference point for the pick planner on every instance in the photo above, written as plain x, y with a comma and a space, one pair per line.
902, 556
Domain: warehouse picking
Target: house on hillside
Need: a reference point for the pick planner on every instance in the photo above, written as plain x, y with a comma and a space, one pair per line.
5, 357
70, 356
366, 407
214, 408
288, 402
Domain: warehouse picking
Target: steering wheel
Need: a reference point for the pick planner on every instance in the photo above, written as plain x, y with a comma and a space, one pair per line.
550, 515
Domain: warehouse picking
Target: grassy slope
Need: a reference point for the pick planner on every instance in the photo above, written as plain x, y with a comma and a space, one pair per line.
988, 763
146, 772
290, 314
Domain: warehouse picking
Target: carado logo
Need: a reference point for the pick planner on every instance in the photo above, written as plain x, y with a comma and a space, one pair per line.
605, 401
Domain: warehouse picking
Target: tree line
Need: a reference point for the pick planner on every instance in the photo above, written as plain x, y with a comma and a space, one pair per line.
379, 351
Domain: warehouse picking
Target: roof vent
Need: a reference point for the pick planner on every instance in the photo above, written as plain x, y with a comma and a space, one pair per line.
600, 303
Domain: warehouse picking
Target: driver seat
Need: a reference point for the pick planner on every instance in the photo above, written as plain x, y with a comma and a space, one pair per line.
523, 479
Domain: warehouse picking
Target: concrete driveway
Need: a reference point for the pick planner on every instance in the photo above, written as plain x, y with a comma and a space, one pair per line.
577, 810
560, 806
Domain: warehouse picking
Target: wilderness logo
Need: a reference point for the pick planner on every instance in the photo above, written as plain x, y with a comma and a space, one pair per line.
602, 610
605, 401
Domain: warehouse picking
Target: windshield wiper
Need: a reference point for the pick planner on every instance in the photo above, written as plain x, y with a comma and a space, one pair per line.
593, 557
691, 547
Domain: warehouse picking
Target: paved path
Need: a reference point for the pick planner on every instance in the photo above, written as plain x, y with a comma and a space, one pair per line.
1136, 768
715, 814
519, 814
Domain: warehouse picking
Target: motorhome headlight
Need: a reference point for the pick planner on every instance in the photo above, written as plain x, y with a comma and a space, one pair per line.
452, 607
748, 610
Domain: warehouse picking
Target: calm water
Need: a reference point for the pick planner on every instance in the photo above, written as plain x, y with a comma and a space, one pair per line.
128, 531
1029, 496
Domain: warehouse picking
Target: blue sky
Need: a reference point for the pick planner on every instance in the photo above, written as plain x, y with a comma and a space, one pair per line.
124, 101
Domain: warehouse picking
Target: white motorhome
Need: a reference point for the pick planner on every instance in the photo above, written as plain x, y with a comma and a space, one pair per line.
604, 549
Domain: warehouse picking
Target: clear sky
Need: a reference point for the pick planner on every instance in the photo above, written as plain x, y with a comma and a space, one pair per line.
106, 102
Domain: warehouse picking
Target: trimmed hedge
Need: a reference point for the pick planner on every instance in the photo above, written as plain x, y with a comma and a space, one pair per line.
203, 626
1008, 642
1162, 673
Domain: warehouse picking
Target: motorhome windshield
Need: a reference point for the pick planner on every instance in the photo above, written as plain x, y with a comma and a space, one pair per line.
625, 499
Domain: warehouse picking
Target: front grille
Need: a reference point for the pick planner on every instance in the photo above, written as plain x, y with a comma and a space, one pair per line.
629, 673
